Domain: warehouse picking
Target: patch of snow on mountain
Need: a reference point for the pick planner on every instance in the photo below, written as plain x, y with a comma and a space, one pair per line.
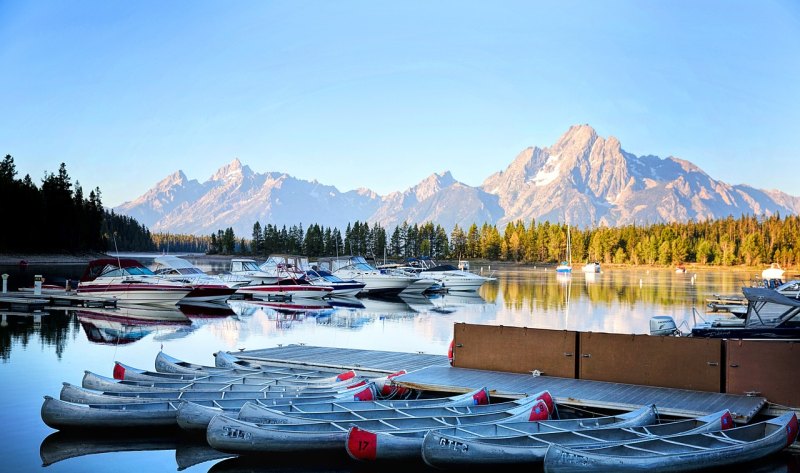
549, 172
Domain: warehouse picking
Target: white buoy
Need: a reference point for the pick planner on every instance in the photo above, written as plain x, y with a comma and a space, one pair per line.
640, 283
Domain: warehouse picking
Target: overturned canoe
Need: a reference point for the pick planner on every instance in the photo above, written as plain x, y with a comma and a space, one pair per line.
449, 451
367, 445
233, 435
80, 395
195, 417
680, 452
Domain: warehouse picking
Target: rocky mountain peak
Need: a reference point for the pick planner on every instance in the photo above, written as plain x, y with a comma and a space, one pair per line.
576, 138
233, 171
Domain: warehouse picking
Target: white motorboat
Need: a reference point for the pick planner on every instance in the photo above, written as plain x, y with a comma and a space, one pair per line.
449, 276
591, 267
129, 282
773, 272
357, 268
207, 288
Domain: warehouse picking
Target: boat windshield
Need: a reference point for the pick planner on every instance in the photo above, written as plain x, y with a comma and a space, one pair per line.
111, 271
324, 275
346, 262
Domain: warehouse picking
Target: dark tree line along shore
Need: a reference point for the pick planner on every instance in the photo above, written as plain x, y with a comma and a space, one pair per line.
57, 217
747, 240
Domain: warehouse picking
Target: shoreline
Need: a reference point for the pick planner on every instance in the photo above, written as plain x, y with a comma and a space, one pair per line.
13, 259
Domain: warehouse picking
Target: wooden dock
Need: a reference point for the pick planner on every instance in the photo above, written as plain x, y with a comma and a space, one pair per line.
25, 301
433, 373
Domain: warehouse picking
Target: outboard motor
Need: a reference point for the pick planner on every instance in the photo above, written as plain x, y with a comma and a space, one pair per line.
661, 325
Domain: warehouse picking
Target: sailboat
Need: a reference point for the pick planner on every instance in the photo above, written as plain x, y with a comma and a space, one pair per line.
566, 266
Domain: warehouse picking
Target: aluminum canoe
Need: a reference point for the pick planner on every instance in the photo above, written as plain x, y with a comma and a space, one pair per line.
681, 452
233, 435
449, 451
125, 372
195, 417
80, 395
252, 412
102, 383
368, 445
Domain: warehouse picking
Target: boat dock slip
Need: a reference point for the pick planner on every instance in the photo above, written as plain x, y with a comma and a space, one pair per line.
433, 373
375, 361
27, 301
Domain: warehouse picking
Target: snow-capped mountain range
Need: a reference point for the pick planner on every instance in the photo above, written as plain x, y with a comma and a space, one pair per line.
583, 179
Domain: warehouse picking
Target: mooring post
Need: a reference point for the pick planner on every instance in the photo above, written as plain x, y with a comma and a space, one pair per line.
37, 285
5, 283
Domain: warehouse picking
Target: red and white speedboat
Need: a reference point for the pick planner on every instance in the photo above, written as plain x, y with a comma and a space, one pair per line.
206, 288
129, 282
286, 289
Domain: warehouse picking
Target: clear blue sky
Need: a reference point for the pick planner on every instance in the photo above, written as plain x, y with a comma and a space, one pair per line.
381, 94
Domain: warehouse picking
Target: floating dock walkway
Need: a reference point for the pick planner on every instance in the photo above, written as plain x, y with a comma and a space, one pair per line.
24, 301
433, 373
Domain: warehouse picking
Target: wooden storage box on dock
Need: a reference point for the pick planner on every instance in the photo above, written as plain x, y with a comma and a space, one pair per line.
671, 362
766, 368
515, 349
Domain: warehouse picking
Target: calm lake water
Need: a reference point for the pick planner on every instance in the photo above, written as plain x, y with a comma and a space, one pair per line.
38, 354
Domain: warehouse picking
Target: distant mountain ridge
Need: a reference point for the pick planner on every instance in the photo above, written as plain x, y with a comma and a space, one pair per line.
583, 179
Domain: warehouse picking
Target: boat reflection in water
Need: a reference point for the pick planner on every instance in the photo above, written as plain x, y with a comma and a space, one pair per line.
130, 323
60, 446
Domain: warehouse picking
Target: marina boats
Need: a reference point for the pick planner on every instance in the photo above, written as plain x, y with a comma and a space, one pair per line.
129, 282
680, 452
356, 268
233, 435
443, 449
592, 267
207, 288
285, 279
